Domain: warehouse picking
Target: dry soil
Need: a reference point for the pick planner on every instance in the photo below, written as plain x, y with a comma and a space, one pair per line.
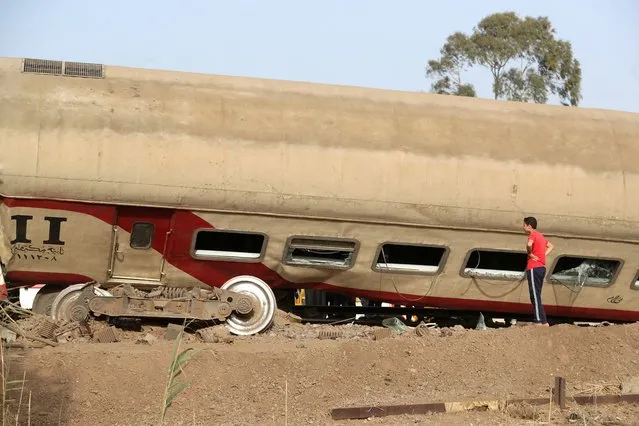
290, 376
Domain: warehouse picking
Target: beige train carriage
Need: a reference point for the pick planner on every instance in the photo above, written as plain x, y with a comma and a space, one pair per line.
157, 177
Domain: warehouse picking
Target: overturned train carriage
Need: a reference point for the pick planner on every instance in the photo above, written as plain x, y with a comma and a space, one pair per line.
130, 176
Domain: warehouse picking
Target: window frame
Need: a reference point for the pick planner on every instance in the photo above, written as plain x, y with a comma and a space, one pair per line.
132, 233
440, 266
463, 274
613, 279
634, 280
321, 238
258, 259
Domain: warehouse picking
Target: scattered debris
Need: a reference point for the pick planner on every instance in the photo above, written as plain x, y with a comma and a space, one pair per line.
64, 337
423, 329
106, 335
481, 324
7, 335
214, 334
173, 331
395, 324
329, 334
382, 333
47, 329
147, 339
19, 332
519, 405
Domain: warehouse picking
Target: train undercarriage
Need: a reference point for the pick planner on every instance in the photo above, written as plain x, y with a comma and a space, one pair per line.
246, 305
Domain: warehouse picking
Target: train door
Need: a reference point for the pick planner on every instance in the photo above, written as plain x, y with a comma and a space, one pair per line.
139, 244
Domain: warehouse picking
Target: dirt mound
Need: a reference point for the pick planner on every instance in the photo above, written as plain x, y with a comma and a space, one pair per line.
291, 375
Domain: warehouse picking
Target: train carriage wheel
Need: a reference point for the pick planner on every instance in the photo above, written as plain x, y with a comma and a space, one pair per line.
63, 307
43, 300
264, 305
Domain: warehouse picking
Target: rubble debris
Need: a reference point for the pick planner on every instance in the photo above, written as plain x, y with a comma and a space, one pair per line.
329, 334
214, 334
21, 345
19, 332
395, 324
147, 339
7, 335
47, 329
382, 333
67, 333
173, 331
64, 337
423, 328
481, 323
106, 335
445, 332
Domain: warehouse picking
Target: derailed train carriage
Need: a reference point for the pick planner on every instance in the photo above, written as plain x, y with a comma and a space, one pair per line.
151, 183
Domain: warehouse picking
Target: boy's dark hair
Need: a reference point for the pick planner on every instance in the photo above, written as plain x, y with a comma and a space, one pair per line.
530, 220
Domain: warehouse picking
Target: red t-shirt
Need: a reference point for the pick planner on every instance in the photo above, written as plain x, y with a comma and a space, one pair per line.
538, 249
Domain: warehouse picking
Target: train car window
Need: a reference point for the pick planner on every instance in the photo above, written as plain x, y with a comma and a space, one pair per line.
320, 252
635, 282
228, 245
141, 235
495, 264
409, 258
576, 270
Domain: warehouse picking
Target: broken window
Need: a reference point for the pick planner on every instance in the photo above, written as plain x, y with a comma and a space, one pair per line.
228, 245
320, 252
584, 271
498, 264
417, 258
141, 235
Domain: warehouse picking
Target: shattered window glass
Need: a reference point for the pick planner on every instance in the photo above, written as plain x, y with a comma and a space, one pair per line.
308, 251
584, 271
496, 264
409, 258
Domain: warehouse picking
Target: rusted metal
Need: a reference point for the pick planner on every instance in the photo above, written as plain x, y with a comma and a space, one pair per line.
329, 334
106, 335
382, 333
441, 407
605, 399
181, 303
559, 392
422, 328
47, 329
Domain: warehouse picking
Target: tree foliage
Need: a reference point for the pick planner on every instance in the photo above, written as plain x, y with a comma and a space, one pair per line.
527, 62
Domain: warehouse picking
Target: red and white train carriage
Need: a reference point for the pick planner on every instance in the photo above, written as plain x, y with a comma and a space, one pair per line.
155, 178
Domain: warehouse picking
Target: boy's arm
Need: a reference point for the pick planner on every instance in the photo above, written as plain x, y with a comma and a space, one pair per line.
549, 247
529, 247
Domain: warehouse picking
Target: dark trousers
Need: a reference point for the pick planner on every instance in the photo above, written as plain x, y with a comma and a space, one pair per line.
535, 283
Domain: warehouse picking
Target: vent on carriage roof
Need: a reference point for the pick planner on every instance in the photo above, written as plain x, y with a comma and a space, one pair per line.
42, 66
71, 69
83, 69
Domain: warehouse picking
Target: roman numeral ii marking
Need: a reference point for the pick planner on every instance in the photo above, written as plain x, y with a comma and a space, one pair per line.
55, 223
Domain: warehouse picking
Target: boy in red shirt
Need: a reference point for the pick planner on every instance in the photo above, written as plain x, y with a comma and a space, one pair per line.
538, 248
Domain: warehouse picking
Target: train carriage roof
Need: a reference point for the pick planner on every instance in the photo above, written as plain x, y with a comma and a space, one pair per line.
98, 133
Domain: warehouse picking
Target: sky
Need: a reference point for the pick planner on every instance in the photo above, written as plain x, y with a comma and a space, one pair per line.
373, 43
